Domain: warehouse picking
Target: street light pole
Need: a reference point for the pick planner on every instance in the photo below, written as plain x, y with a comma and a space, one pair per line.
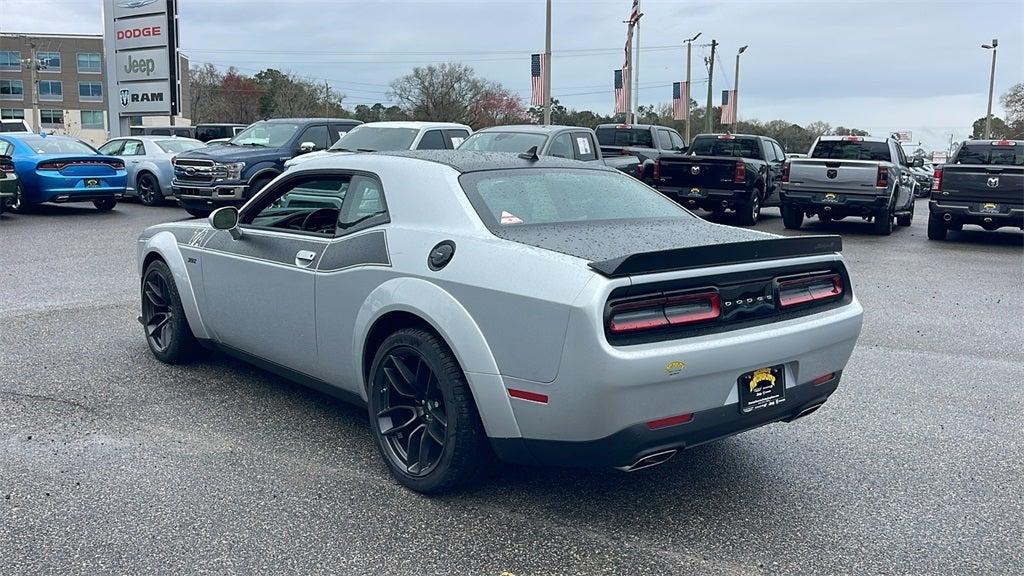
736, 91
991, 86
689, 50
708, 121
547, 68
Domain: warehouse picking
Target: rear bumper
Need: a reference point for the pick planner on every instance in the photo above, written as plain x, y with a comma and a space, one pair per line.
90, 196
60, 189
839, 203
629, 445
706, 198
971, 213
206, 197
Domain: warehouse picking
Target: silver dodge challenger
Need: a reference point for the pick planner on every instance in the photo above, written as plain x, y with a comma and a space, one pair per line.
481, 305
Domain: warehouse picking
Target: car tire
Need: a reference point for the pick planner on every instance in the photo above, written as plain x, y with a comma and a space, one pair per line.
149, 190
883, 223
792, 217
416, 381
936, 228
167, 332
198, 212
18, 204
905, 220
748, 212
105, 205
256, 185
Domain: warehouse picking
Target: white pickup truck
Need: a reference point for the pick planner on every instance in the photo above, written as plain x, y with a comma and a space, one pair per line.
850, 176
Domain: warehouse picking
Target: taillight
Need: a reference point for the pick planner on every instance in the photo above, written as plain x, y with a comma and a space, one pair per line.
882, 180
663, 311
818, 288
937, 180
640, 171
740, 174
853, 138
1003, 142
50, 166
656, 171
115, 164
785, 171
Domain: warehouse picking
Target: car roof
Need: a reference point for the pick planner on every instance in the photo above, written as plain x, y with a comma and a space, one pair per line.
153, 137
22, 135
473, 161
304, 120
417, 125
532, 128
862, 138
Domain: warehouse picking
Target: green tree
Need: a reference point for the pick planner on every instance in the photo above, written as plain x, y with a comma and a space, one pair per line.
999, 128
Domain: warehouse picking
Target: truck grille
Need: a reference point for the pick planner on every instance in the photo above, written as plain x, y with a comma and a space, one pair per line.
197, 171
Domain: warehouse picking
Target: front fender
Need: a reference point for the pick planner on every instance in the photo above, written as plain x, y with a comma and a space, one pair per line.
453, 322
166, 245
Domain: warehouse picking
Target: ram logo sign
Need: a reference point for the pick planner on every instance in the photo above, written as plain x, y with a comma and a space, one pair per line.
124, 97
993, 182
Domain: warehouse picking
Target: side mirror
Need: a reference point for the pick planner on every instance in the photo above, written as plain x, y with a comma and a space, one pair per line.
226, 218
307, 147
917, 163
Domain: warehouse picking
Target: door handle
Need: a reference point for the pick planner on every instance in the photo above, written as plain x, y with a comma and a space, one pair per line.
304, 258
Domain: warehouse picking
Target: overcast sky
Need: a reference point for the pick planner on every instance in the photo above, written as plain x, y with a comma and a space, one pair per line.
880, 66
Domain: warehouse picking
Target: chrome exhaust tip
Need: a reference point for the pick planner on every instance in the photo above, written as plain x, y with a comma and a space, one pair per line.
649, 461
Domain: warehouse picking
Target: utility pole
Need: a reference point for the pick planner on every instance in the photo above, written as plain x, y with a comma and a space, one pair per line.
33, 65
991, 86
636, 78
689, 50
547, 68
736, 91
708, 120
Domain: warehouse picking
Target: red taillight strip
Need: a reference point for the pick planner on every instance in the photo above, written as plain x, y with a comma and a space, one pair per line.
528, 396
670, 421
785, 171
809, 289
822, 379
937, 180
115, 164
882, 180
740, 175
688, 317
671, 310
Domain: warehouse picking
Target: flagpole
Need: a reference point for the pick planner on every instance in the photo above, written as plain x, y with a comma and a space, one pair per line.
547, 67
736, 91
636, 79
708, 120
689, 49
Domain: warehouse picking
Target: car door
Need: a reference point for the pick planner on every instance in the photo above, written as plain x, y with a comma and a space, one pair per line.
454, 138
561, 146
259, 289
775, 158
432, 140
132, 152
583, 147
905, 182
318, 135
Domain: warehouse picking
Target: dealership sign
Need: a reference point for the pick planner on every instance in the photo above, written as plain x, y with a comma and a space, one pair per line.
903, 135
141, 49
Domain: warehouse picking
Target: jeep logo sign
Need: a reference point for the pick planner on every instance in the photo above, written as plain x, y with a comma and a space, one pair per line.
140, 66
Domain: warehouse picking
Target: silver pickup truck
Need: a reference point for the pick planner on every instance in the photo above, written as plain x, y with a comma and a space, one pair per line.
850, 176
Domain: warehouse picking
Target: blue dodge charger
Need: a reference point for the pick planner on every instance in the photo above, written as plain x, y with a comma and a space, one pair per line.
62, 169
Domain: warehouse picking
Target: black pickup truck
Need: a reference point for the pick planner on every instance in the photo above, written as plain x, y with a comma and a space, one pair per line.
982, 184
724, 172
648, 142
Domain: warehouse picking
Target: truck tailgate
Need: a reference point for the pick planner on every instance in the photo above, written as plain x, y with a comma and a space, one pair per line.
826, 175
983, 183
697, 172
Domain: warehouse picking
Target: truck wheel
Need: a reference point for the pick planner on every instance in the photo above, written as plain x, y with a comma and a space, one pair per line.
883, 223
905, 220
750, 211
105, 205
792, 217
257, 185
936, 228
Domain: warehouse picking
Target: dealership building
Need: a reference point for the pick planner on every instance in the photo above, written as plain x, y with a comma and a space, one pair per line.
71, 84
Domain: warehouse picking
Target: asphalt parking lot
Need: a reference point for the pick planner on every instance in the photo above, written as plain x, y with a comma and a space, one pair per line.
111, 462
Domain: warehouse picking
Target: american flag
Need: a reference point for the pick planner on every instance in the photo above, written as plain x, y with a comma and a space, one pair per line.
679, 101
538, 62
728, 111
634, 13
620, 94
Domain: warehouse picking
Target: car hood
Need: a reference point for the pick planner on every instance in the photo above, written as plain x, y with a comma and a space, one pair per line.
229, 153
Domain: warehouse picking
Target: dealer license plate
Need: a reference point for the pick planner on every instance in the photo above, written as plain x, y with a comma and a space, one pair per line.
762, 388
989, 208
92, 183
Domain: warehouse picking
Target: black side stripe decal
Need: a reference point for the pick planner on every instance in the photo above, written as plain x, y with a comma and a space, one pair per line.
370, 249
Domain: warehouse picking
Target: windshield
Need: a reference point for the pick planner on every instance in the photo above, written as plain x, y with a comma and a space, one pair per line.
177, 146
53, 145
267, 134
544, 196
733, 147
374, 138
611, 136
515, 142
851, 150
988, 153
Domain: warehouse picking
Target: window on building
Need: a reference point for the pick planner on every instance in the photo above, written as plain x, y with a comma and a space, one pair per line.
50, 61
92, 119
10, 60
51, 118
89, 62
51, 90
12, 90
12, 114
90, 91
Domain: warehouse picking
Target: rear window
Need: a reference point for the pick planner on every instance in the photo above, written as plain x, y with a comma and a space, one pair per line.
852, 150
987, 153
374, 138
734, 147
612, 136
178, 146
505, 198
53, 145
515, 142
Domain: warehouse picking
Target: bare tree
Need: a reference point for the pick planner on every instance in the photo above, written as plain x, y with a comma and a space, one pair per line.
446, 92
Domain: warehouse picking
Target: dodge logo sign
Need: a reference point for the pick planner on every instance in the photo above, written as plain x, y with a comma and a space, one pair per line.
124, 97
694, 170
993, 182
129, 4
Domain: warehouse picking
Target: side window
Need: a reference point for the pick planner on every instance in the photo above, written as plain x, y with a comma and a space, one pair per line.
431, 140
112, 148
561, 146
585, 149
365, 206
318, 135
5, 148
455, 138
664, 140
779, 152
133, 148
310, 204
337, 131
158, 132
677, 140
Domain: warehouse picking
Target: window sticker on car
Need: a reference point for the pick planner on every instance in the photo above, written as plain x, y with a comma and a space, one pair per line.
457, 141
584, 145
509, 218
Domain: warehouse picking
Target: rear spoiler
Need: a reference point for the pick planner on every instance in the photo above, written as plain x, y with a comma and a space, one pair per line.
718, 255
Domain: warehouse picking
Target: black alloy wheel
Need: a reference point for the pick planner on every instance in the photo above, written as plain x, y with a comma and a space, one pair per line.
163, 319
149, 190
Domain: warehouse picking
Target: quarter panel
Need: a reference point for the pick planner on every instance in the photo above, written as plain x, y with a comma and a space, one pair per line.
165, 243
